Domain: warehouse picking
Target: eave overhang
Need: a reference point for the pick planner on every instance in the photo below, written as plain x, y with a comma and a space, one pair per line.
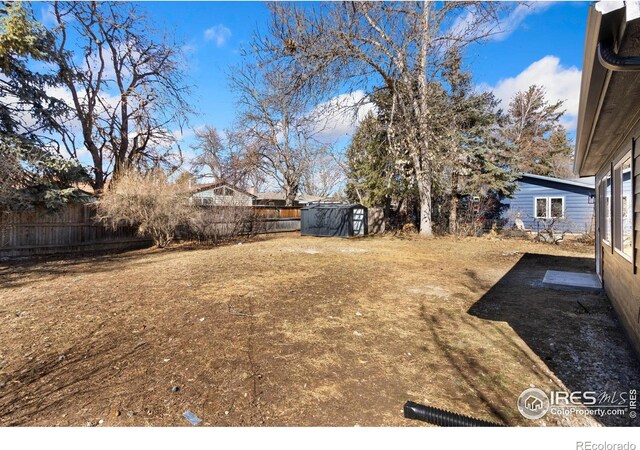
609, 99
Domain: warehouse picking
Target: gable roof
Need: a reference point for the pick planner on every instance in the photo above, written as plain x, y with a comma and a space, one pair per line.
588, 182
208, 186
302, 198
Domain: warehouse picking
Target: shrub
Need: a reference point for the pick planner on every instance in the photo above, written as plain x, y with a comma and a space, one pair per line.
150, 202
552, 230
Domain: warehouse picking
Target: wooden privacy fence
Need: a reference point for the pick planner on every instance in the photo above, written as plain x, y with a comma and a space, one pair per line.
274, 219
75, 228
225, 221
71, 228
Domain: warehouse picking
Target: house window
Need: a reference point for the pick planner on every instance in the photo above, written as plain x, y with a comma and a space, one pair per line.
549, 207
606, 209
541, 208
623, 207
556, 206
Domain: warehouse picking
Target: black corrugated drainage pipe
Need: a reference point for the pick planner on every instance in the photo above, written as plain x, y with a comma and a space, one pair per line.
611, 61
441, 417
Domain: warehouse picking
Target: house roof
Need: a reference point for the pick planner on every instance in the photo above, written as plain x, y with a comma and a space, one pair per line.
608, 110
587, 182
207, 186
302, 198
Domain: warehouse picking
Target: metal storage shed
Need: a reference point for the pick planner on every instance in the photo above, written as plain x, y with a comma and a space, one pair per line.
326, 219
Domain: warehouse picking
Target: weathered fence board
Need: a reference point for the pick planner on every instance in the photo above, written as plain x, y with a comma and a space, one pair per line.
242, 220
69, 229
75, 228
274, 219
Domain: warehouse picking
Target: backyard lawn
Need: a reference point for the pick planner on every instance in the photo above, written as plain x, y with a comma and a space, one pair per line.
290, 330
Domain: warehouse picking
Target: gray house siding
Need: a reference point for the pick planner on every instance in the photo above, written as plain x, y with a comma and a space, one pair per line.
579, 208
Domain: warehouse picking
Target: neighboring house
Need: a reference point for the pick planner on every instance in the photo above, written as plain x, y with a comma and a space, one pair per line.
221, 194
279, 199
539, 200
608, 128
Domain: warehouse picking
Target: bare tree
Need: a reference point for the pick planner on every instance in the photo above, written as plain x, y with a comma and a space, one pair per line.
404, 45
225, 158
279, 124
127, 88
324, 173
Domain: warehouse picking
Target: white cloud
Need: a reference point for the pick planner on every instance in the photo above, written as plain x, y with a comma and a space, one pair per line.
182, 134
47, 16
466, 24
560, 83
341, 115
510, 23
218, 33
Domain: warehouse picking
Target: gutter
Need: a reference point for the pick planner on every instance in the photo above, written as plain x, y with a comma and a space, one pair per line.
606, 24
612, 61
593, 83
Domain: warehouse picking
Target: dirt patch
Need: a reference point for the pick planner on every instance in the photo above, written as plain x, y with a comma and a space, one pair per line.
301, 331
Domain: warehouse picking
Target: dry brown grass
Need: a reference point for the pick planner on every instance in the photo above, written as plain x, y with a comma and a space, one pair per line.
299, 331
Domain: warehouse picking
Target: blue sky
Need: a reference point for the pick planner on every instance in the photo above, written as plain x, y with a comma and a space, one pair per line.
543, 44
551, 35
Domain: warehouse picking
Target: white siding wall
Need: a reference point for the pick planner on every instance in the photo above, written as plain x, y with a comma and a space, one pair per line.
215, 198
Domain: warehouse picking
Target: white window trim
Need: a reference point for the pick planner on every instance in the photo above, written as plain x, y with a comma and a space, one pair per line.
623, 254
535, 207
603, 183
548, 211
618, 169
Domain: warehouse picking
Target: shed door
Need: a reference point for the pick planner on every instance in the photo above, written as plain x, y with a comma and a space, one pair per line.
358, 221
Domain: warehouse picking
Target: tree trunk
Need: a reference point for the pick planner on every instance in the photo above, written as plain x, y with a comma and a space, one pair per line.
453, 214
453, 205
289, 199
424, 189
422, 168
291, 189
386, 212
289, 195
98, 173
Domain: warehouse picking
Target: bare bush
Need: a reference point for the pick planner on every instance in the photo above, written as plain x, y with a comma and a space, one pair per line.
475, 214
150, 202
553, 230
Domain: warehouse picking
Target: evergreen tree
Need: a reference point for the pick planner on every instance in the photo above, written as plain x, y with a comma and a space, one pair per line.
538, 141
32, 172
376, 174
470, 144
368, 165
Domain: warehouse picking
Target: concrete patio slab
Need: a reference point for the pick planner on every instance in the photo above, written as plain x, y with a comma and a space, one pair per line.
572, 281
